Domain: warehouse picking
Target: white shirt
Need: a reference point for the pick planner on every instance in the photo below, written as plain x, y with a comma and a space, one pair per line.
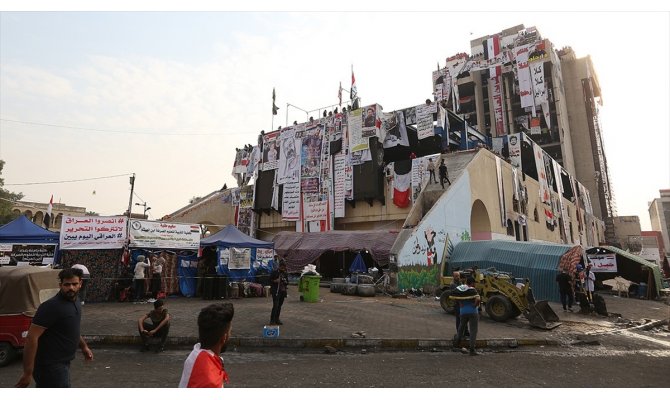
139, 269
590, 281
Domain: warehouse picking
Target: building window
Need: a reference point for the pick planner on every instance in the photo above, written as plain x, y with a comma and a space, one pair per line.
536, 217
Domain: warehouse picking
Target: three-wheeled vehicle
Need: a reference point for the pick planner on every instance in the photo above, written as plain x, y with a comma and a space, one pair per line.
22, 290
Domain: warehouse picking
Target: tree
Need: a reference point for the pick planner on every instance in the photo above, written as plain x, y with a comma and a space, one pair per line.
6, 199
92, 213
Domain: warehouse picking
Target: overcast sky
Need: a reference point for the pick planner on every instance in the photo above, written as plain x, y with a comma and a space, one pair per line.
169, 95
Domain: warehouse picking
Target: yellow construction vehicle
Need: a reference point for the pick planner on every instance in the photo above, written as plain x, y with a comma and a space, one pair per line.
502, 298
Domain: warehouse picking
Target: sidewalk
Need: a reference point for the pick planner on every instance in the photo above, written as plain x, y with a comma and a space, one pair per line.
413, 323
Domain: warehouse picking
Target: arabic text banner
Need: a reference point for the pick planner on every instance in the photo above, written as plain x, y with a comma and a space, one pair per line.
83, 233
163, 235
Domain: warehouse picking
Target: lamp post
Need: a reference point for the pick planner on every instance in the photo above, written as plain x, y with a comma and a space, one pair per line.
145, 208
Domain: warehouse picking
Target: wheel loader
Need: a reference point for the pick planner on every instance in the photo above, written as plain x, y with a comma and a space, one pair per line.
502, 298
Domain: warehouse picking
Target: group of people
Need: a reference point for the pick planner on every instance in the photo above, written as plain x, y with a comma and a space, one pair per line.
152, 269
54, 336
582, 282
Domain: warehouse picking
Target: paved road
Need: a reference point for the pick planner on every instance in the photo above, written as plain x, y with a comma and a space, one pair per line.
587, 366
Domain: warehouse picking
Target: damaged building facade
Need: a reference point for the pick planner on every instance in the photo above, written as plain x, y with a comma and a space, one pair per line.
510, 161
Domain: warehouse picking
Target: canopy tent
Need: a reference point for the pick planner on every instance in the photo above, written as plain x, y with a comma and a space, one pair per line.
633, 268
230, 236
232, 244
358, 265
23, 230
536, 261
301, 248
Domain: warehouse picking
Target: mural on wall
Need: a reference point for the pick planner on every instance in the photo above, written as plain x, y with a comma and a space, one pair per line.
445, 225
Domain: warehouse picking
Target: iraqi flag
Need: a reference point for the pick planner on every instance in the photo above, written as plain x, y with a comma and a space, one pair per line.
491, 51
47, 216
401, 189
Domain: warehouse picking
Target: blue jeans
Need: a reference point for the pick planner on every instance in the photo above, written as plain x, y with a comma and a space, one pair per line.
52, 375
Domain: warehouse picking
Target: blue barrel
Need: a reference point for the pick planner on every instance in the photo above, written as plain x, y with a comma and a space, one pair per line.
642, 290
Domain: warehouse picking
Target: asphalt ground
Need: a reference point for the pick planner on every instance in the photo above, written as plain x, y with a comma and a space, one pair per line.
379, 322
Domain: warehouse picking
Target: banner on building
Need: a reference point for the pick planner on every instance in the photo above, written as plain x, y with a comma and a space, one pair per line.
19, 254
501, 193
393, 124
498, 108
247, 196
544, 193
289, 157
514, 148
523, 74
239, 258
84, 233
424, 121
315, 210
163, 235
271, 150
245, 221
291, 202
339, 184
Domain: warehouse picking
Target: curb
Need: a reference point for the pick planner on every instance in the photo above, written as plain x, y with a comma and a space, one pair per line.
358, 343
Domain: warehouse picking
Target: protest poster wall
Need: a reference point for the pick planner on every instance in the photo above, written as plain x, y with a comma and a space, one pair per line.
84, 233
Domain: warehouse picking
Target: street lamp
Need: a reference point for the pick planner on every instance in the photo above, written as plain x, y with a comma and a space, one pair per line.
145, 208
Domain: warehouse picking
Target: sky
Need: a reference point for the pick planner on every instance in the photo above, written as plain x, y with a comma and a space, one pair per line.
169, 95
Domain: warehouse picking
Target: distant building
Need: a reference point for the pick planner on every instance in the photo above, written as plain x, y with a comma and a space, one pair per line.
627, 232
35, 212
659, 213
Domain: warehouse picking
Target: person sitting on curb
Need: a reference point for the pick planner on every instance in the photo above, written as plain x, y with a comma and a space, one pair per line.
159, 326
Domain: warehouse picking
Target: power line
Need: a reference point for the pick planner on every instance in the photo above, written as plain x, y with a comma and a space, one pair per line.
67, 181
121, 131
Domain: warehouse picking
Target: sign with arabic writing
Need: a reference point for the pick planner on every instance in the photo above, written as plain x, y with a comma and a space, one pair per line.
163, 235
32, 254
81, 233
602, 262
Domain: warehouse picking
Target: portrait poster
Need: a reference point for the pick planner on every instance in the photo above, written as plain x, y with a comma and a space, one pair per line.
289, 157
271, 150
393, 124
355, 125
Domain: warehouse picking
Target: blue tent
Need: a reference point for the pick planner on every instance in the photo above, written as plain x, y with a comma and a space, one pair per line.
229, 237
22, 230
358, 265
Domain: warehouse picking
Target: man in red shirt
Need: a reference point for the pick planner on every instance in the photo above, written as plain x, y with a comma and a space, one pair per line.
204, 367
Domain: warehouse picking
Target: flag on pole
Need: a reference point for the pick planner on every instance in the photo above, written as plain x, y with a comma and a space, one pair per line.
274, 107
353, 95
339, 94
47, 216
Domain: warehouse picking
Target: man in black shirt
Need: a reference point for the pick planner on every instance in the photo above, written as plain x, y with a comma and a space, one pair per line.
54, 335
278, 287
565, 288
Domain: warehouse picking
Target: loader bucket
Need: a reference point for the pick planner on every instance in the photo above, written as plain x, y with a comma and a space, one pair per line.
540, 315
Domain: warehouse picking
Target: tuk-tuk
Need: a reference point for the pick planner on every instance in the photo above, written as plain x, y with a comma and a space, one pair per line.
22, 290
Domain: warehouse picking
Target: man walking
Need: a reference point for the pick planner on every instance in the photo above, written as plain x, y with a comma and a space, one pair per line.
54, 335
431, 171
278, 287
469, 300
444, 174
204, 366
565, 289
457, 281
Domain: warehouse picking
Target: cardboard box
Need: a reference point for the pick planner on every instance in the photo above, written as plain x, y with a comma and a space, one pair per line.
271, 331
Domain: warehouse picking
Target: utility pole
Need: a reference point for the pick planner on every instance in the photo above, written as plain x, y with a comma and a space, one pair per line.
130, 201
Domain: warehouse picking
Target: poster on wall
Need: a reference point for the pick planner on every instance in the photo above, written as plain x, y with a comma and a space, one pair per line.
310, 159
355, 126
393, 124
419, 175
264, 255
498, 105
163, 235
271, 150
602, 262
289, 157
245, 220
424, 121
544, 193
247, 196
240, 258
514, 146
84, 233
291, 202
339, 184
315, 210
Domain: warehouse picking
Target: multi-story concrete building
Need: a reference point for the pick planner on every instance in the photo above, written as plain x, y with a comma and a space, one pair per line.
516, 81
628, 232
659, 213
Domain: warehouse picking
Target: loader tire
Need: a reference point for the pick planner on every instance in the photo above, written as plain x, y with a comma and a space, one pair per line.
448, 305
499, 308
7, 353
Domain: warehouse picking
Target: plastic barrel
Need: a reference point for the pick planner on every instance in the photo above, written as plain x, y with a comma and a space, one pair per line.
311, 288
366, 290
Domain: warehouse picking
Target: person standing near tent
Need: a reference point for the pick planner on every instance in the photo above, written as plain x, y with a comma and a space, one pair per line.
54, 335
156, 275
138, 282
278, 287
590, 283
86, 276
